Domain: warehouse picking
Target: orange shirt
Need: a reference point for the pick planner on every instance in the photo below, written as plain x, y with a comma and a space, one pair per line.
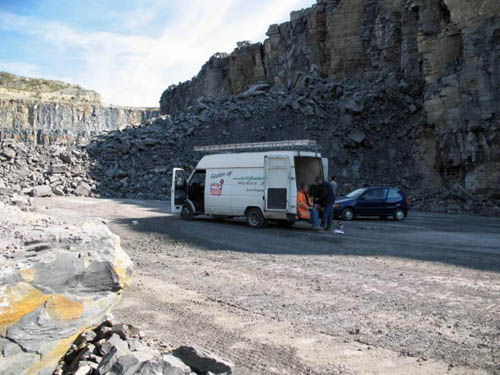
303, 205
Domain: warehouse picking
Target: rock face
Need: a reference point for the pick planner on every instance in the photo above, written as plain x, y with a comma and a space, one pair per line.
397, 92
57, 279
49, 123
45, 112
358, 133
450, 48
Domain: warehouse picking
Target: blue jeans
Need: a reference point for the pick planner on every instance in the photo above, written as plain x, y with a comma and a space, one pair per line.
314, 219
327, 219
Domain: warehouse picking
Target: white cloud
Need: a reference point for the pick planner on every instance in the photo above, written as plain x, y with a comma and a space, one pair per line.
135, 69
19, 68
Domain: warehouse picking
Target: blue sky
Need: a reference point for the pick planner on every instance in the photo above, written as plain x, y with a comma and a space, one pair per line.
128, 51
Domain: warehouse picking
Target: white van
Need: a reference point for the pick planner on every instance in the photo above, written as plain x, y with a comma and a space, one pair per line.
257, 185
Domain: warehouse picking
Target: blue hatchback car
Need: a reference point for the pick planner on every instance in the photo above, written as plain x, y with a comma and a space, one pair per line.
373, 201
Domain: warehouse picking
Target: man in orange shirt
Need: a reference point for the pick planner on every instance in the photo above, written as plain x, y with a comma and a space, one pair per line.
306, 209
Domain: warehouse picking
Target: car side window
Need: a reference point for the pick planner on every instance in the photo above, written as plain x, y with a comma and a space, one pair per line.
394, 194
382, 193
370, 194
374, 194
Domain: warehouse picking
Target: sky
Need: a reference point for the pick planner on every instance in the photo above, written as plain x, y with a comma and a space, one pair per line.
128, 50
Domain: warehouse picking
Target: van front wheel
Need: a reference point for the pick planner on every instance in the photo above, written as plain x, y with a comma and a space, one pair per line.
255, 218
187, 212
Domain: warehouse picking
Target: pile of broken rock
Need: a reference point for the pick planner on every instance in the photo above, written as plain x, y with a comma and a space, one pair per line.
44, 171
116, 348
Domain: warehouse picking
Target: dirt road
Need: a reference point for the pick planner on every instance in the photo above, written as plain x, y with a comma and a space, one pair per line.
417, 297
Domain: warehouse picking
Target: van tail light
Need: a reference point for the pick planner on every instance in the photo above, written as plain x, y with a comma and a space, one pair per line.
407, 201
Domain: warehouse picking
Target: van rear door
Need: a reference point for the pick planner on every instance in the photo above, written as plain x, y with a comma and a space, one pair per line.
178, 191
277, 182
324, 162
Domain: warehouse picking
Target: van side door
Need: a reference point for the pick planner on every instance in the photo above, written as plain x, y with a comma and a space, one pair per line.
178, 190
277, 182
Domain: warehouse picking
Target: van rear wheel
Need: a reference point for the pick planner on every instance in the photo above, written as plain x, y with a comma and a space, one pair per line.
255, 218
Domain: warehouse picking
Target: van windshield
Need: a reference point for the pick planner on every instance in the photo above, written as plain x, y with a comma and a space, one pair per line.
355, 193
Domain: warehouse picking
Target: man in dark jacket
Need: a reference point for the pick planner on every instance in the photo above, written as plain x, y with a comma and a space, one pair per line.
327, 200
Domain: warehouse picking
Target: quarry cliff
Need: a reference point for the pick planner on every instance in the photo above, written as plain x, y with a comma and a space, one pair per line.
45, 112
446, 51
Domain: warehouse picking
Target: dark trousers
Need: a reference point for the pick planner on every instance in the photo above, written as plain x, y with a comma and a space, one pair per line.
327, 219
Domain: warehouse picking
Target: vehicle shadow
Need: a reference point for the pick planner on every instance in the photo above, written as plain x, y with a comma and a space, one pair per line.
207, 234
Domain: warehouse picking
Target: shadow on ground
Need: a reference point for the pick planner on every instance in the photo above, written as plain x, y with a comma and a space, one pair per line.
463, 241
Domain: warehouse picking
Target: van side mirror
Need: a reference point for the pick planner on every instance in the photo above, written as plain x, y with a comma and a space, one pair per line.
362, 198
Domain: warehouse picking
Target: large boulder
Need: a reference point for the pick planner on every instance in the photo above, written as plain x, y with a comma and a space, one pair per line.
41, 191
9, 153
56, 280
83, 190
203, 361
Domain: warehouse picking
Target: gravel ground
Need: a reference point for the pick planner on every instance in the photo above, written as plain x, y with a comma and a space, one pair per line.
416, 297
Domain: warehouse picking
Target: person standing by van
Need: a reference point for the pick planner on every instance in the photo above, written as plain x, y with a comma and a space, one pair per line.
305, 207
334, 187
327, 201
337, 224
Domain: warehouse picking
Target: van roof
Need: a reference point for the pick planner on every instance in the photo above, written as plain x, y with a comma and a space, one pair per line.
246, 159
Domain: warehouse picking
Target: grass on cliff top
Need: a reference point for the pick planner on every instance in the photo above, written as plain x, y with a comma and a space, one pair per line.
11, 81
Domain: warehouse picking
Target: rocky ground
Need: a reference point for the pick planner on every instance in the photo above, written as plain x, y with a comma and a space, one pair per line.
416, 297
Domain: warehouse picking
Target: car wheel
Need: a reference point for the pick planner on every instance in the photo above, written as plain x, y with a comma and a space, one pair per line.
187, 212
255, 219
348, 214
383, 217
399, 214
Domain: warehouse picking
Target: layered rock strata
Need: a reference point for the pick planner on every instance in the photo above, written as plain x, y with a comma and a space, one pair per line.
42, 111
51, 123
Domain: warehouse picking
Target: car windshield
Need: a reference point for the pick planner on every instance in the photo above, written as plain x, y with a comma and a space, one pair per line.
355, 193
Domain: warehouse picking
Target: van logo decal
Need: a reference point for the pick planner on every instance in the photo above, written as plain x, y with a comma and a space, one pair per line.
216, 188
